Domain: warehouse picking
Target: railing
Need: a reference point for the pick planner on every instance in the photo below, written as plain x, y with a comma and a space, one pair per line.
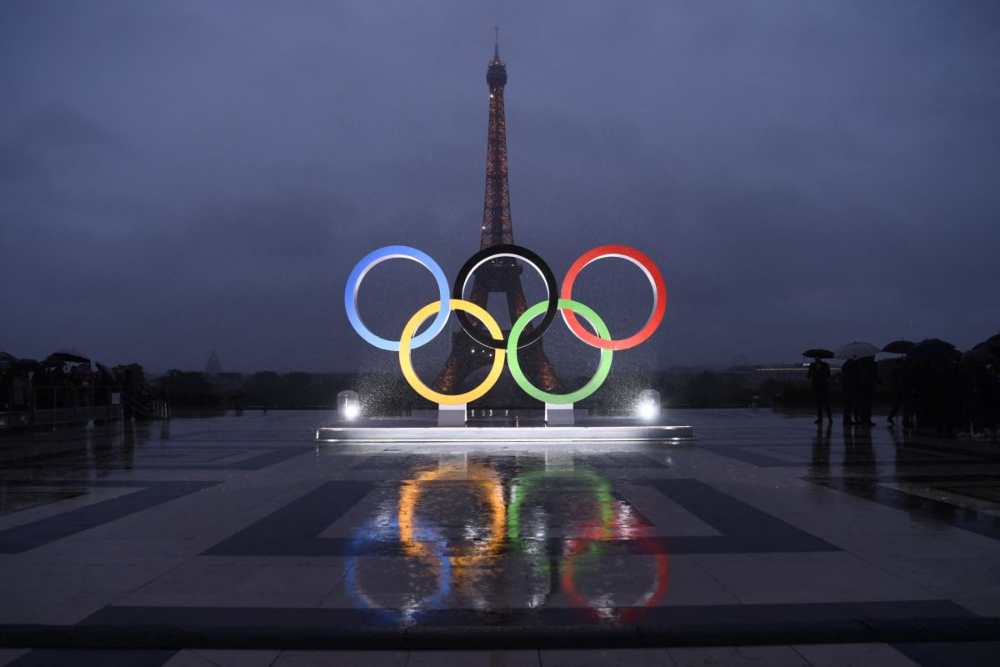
150, 409
64, 404
76, 415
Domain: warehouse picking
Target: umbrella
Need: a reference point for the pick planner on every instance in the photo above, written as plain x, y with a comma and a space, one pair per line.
818, 353
66, 357
934, 348
899, 346
857, 350
991, 343
984, 353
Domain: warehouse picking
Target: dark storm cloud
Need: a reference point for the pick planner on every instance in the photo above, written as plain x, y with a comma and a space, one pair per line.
177, 177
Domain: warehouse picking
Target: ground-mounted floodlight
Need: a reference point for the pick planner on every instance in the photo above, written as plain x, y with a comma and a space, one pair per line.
348, 405
647, 407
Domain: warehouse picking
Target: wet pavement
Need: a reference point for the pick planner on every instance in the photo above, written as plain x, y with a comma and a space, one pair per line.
239, 540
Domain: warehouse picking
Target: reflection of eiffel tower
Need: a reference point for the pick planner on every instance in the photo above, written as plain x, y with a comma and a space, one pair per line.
500, 275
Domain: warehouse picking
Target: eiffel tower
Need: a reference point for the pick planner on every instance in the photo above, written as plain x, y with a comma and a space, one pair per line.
501, 275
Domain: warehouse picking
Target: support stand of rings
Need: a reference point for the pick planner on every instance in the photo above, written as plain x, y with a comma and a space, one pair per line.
559, 414
452, 414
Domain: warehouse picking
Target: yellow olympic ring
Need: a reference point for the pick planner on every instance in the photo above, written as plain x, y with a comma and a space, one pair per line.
406, 365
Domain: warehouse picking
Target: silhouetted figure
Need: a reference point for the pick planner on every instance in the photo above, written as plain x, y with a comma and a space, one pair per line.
20, 390
937, 385
5, 381
991, 399
867, 378
981, 396
126, 395
849, 385
900, 386
819, 376
967, 409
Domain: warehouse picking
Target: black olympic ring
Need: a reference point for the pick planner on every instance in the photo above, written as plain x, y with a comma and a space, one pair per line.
506, 250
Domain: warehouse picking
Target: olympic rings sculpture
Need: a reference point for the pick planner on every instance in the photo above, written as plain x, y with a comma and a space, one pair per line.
489, 334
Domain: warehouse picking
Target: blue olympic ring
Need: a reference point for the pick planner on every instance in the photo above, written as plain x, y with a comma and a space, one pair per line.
366, 264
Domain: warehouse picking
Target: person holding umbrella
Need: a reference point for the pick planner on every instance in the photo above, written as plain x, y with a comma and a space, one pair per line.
867, 379
819, 377
936, 384
899, 381
986, 359
849, 388
855, 376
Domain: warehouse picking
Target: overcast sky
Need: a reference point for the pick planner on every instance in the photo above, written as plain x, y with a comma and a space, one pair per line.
182, 176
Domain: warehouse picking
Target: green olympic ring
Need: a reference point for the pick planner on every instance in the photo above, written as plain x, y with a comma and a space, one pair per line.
603, 366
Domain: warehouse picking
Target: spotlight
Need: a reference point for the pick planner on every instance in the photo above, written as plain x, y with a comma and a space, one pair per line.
647, 407
647, 411
348, 405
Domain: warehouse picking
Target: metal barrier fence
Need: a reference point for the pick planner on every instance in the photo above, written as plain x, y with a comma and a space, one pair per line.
55, 405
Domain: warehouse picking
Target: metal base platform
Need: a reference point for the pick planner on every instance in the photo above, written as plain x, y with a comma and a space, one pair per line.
652, 434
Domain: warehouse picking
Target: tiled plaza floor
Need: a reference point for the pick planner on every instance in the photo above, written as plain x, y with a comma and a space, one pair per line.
239, 541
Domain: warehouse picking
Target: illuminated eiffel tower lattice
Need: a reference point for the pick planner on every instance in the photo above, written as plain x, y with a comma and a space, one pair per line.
502, 275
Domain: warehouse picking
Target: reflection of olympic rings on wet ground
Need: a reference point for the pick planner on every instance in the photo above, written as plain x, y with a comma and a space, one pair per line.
525, 486
534, 547
591, 548
522, 333
451, 565
381, 532
490, 488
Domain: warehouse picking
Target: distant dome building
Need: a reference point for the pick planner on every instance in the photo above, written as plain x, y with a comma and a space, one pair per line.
213, 366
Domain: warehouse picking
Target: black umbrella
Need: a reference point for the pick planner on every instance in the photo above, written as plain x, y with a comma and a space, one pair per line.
899, 346
979, 354
65, 357
818, 353
991, 343
857, 350
984, 353
934, 348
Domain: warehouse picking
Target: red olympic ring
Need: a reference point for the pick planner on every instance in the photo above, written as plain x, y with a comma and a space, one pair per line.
641, 260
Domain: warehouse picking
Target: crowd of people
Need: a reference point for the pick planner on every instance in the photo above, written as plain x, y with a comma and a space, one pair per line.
64, 380
932, 386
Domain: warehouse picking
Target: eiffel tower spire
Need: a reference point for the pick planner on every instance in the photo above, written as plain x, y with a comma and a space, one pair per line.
500, 275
